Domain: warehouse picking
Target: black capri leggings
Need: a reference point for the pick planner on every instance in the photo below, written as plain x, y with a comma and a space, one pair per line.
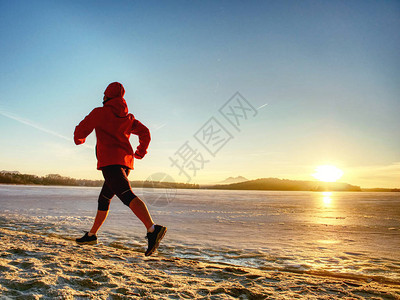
116, 183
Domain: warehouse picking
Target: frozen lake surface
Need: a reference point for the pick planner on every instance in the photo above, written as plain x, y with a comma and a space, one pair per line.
352, 234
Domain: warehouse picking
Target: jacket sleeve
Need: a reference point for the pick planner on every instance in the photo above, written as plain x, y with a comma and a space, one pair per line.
84, 128
144, 137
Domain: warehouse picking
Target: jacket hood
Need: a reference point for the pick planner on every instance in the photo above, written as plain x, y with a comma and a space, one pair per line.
114, 90
118, 106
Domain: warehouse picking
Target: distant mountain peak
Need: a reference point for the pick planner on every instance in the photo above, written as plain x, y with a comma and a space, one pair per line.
231, 179
9, 172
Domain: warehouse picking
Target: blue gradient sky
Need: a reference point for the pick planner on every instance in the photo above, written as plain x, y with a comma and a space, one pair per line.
329, 71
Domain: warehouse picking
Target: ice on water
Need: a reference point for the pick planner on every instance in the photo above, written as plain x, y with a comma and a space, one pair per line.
352, 233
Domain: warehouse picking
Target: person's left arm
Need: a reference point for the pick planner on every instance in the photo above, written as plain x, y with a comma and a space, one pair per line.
144, 138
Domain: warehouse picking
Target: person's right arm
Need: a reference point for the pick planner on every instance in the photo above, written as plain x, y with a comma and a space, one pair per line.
84, 128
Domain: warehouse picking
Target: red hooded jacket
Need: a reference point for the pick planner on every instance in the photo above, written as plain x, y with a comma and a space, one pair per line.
113, 125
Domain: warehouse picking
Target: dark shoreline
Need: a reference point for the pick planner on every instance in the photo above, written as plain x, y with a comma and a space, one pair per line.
261, 184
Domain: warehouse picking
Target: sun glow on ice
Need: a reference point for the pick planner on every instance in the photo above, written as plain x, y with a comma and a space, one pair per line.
327, 198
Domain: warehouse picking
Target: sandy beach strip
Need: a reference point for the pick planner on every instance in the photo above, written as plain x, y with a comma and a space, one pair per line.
50, 267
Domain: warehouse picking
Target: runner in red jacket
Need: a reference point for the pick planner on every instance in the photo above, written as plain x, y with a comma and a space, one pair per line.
113, 125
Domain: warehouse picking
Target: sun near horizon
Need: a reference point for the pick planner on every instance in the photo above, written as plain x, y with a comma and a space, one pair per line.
327, 173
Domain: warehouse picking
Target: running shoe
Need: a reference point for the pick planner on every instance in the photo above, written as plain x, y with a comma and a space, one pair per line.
154, 238
86, 239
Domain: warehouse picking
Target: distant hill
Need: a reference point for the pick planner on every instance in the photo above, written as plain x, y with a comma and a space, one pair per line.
276, 184
380, 190
230, 180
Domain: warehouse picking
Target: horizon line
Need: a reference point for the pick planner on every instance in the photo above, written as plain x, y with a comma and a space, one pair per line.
199, 184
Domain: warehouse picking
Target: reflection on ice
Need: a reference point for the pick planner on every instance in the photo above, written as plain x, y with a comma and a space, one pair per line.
328, 241
326, 199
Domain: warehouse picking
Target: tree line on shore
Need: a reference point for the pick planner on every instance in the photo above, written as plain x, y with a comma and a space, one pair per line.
56, 179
